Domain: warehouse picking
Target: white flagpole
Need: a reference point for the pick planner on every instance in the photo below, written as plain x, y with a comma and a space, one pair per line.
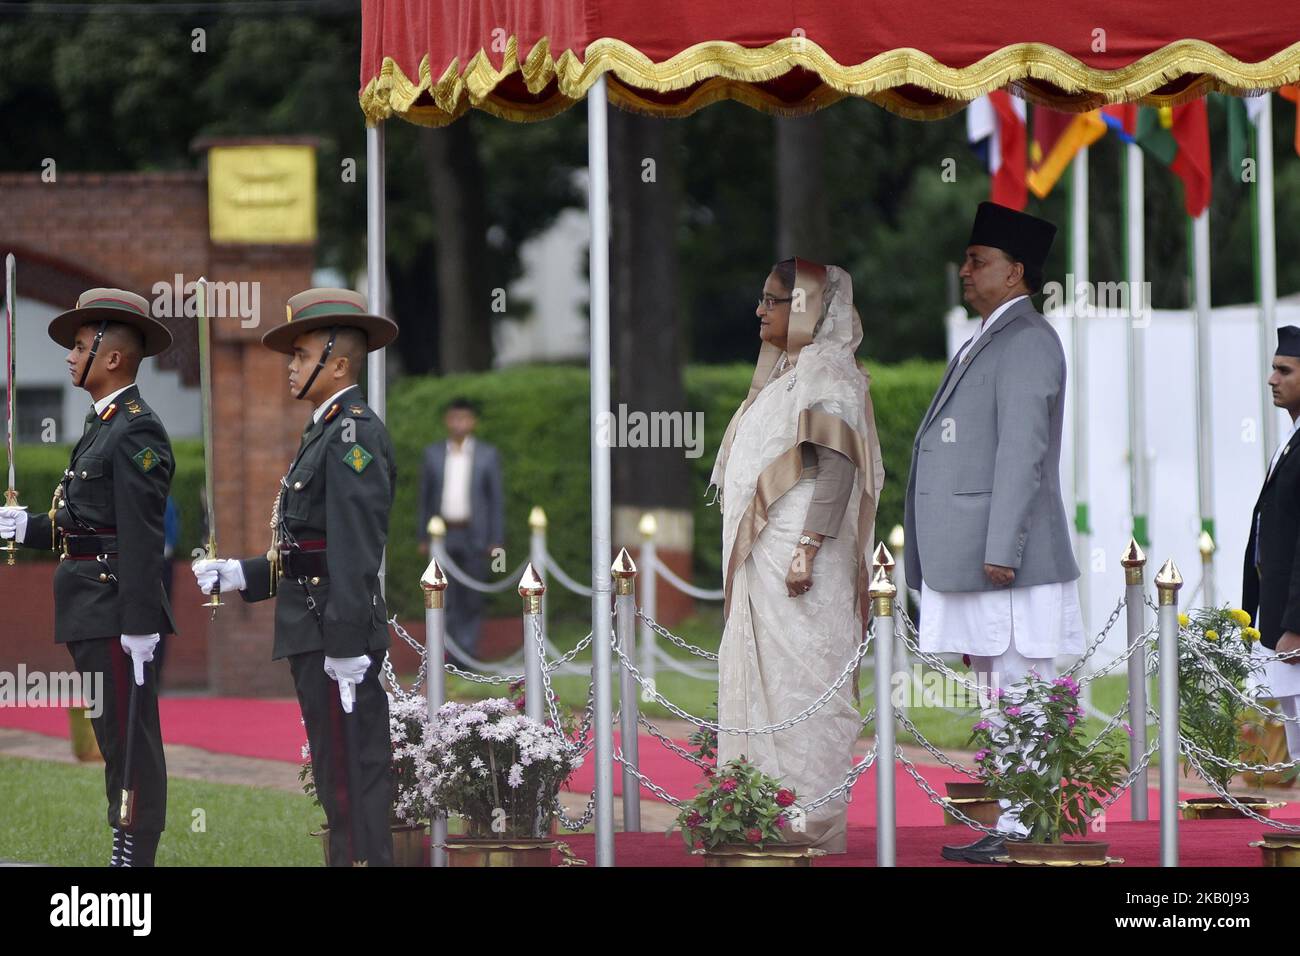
376, 286
1204, 427
1138, 321
1079, 373
1267, 265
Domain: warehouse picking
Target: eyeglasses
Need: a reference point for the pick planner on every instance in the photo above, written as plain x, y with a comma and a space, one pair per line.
769, 302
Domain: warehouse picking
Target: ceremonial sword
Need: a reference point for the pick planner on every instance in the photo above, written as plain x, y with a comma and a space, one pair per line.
11, 333
205, 391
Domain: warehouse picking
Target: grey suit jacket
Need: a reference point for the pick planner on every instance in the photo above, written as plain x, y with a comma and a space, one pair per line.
486, 499
984, 486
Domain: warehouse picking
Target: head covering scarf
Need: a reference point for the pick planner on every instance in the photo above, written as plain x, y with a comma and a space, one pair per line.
830, 405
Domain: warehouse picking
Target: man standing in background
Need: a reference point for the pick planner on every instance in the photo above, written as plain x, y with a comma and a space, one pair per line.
461, 482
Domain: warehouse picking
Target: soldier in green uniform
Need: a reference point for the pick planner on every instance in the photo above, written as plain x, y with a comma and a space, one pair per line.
331, 521
106, 523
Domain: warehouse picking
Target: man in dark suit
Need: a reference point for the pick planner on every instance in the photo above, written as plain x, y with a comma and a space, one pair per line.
461, 483
331, 521
106, 522
1271, 572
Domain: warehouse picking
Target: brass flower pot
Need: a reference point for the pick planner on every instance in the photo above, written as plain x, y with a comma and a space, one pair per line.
1216, 808
1066, 853
501, 851
973, 799
972, 790
747, 855
1279, 849
408, 844
82, 735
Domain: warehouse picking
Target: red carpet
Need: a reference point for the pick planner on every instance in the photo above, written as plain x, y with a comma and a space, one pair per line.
1203, 843
272, 730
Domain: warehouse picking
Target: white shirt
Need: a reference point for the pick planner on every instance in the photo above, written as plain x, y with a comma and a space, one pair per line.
323, 407
107, 400
1044, 620
961, 354
456, 480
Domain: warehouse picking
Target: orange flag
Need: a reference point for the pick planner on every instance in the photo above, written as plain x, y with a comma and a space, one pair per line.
1292, 93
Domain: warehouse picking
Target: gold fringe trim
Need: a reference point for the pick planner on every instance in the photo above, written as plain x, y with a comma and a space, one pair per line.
724, 70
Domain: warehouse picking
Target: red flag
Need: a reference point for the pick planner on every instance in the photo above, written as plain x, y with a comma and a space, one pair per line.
1009, 180
1191, 130
1292, 93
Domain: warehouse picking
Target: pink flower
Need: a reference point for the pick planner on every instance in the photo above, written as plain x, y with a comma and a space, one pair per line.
753, 834
1070, 718
1013, 711
694, 820
699, 844
729, 784
708, 772
784, 797
981, 754
1128, 730
780, 822
982, 725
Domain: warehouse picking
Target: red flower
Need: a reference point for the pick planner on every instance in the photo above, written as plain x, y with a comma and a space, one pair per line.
784, 797
519, 704
729, 784
699, 844
694, 820
708, 772
728, 807
753, 834
780, 822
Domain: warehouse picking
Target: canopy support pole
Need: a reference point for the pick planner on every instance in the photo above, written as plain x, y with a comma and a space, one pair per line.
1266, 268
1200, 255
376, 286
601, 521
1079, 373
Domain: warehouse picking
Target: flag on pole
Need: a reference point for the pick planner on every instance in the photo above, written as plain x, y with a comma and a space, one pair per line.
1121, 120
995, 127
1058, 137
1243, 113
1292, 93
1180, 138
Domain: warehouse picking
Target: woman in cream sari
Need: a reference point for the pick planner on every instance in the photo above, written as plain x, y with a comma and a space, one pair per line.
799, 473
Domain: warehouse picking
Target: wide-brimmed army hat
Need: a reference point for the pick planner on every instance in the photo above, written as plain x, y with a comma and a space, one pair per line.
327, 309
111, 305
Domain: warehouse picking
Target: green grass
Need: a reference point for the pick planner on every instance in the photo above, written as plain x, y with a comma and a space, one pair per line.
62, 806
948, 729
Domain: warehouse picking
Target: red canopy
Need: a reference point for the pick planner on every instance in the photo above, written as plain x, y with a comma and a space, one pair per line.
528, 59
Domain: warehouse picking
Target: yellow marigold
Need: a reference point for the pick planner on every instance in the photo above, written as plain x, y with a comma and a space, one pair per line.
1211, 635
1183, 620
1250, 633
1240, 616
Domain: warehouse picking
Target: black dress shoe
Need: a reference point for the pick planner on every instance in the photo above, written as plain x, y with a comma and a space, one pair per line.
984, 850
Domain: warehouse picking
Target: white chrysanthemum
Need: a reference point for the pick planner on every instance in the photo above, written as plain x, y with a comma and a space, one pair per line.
516, 776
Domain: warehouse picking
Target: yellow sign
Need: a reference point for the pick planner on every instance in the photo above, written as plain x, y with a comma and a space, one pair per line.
262, 194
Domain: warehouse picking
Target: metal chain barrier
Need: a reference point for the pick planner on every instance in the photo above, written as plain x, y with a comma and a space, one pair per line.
665, 659
1132, 775
1190, 754
934, 751
1227, 685
663, 738
646, 782
700, 594
669, 635
1096, 643
462, 577
938, 801
1238, 765
845, 788
564, 579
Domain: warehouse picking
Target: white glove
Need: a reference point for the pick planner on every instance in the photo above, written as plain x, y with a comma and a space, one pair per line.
140, 647
229, 571
13, 523
348, 671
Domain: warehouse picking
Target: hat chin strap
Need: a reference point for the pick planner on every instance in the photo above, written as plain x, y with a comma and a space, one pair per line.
324, 357
94, 350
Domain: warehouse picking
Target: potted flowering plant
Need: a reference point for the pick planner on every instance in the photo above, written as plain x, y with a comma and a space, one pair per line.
411, 810
501, 772
1033, 754
1208, 714
737, 813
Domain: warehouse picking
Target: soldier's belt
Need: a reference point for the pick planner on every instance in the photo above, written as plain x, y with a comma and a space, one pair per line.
87, 547
305, 561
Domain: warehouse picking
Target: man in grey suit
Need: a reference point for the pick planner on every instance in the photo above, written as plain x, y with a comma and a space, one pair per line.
987, 534
461, 482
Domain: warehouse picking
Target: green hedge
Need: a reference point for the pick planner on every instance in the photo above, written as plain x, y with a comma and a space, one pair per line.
537, 416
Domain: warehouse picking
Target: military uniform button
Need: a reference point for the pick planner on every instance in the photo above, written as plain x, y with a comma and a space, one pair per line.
315, 581
83, 476
103, 577
297, 486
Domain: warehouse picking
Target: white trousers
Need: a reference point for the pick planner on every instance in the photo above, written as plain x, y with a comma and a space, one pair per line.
1004, 671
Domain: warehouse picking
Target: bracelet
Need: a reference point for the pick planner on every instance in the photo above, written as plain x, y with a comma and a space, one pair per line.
808, 542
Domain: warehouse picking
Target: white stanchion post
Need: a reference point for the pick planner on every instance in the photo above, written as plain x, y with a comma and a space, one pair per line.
434, 584
649, 581
537, 551
897, 542
882, 608
601, 505
532, 589
624, 571
1168, 583
1134, 563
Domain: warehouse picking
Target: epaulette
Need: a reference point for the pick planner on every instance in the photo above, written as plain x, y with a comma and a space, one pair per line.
134, 407
355, 410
